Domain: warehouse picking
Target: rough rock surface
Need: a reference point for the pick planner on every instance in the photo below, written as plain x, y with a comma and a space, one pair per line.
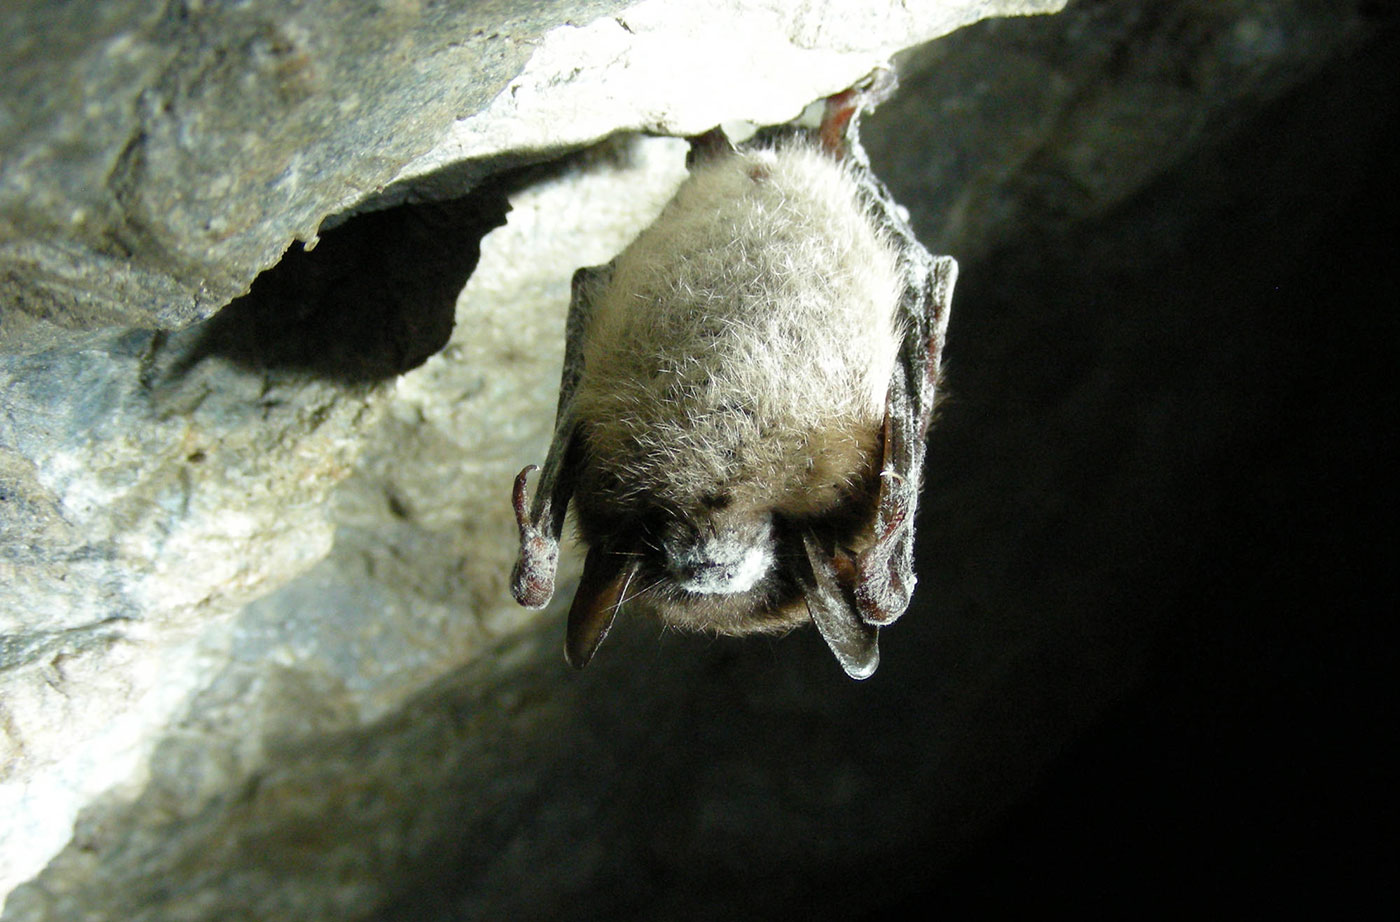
255, 620
144, 145
158, 155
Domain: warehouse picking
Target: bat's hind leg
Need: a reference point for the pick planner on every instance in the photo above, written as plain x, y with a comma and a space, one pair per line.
843, 111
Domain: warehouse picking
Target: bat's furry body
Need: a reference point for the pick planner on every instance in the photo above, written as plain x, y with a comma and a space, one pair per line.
737, 363
745, 394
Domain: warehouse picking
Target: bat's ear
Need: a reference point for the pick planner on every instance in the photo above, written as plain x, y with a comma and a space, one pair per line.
855, 643
606, 577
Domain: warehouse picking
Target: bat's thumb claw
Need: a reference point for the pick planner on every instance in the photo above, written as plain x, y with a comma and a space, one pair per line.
519, 497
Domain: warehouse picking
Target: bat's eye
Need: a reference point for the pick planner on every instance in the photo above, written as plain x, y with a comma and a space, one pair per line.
710, 561
716, 501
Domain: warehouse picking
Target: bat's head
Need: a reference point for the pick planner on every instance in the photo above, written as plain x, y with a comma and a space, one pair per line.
726, 556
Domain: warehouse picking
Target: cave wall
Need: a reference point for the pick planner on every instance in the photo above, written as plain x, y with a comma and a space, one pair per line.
259, 657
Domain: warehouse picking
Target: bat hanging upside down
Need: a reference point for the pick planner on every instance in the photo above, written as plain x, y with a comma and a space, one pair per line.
746, 393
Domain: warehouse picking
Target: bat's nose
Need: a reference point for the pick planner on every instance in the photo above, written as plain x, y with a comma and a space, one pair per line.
708, 572
720, 565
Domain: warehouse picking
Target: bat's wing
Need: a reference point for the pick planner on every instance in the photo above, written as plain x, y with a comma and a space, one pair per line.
885, 570
541, 523
850, 599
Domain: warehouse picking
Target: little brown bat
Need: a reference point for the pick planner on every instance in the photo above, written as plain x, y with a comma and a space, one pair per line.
746, 393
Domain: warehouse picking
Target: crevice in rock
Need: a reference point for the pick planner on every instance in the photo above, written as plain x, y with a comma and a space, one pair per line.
373, 298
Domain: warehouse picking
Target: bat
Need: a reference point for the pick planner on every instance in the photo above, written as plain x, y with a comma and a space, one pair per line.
746, 393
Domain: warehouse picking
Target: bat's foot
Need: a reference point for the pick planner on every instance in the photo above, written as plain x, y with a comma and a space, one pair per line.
843, 110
